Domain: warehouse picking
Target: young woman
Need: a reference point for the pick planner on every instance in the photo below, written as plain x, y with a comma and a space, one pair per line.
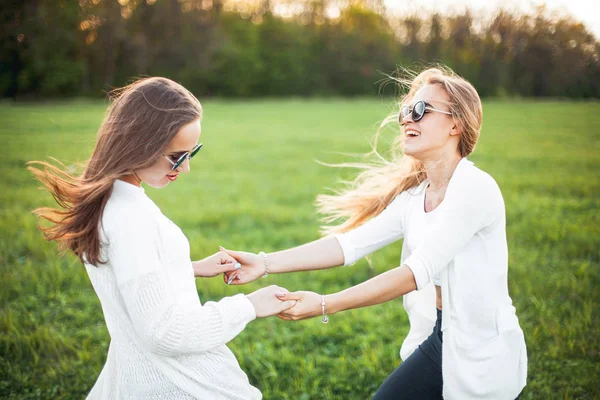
164, 344
452, 218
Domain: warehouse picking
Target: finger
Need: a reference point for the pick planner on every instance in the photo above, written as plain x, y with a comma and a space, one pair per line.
225, 258
283, 295
231, 277
225, 278
286, 315
221, 269
286, 305
238, 278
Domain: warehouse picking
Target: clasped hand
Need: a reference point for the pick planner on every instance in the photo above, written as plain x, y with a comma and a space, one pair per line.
304, 304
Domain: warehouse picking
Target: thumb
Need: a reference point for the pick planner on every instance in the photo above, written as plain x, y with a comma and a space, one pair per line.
235, 254
287, 305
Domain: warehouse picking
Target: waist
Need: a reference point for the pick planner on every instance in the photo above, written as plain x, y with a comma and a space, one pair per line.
437, 329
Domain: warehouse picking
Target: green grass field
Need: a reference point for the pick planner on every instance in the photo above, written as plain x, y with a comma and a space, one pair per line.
252, 188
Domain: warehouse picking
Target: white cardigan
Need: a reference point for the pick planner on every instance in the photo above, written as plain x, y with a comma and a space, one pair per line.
164, 343
463, 244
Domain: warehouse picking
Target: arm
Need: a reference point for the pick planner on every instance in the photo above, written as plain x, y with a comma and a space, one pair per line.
385, 287
342, 249
320, 254
162, 309
471, 207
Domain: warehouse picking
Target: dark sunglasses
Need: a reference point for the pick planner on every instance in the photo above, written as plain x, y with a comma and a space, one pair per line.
418, 111
188, 154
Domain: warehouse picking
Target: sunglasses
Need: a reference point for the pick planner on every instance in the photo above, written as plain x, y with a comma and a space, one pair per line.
187, 155
420, 108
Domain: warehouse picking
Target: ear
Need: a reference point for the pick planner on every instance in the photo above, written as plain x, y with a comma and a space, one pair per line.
454, 131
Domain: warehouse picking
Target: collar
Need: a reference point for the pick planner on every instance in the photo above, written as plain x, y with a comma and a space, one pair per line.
122, 187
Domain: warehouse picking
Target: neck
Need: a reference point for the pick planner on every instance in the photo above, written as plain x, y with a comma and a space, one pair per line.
134, 179
439, 171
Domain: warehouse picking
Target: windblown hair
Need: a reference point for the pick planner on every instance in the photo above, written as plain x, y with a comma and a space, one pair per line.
380, 181
140, 122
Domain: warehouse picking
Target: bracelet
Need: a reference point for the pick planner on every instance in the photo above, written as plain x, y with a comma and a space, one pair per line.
325, 319
264, 256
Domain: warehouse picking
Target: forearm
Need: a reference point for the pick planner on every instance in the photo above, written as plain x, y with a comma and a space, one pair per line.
385, 287
320, 254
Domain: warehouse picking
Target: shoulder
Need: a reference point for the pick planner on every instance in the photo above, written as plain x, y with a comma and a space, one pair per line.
470, 180
124, 215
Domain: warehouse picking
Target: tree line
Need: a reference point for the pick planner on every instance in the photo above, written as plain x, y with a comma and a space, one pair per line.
246, 48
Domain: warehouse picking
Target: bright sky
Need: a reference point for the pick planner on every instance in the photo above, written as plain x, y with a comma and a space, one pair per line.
587, 11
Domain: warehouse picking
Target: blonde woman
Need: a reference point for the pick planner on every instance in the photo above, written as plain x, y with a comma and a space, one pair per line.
452, 218
164, 343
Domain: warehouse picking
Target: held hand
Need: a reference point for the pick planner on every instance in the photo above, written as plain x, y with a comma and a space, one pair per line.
266, 303
252, 267
308, 306
216, 264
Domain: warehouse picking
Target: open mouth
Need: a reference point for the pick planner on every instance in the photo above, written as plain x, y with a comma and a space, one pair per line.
172, 177
411, 133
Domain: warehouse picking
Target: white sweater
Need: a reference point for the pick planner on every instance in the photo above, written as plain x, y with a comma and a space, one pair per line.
164, 343
463, 244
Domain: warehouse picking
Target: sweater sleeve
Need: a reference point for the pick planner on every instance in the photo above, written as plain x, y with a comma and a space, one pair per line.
385, 228
165, 324
468, 208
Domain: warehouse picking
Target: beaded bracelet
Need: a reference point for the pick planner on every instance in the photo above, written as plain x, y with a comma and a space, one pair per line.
264, 256
325, 319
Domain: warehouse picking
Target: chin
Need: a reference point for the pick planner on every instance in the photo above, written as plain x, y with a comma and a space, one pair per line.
412, 152
158, 185
419, 151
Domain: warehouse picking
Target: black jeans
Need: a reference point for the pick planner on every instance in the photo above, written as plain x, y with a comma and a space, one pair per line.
420, 376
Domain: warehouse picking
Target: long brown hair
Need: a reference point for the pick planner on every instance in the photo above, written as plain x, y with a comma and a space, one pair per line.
140, 122
380, 181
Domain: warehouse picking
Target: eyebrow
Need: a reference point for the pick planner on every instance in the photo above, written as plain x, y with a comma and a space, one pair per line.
182, 151
427, 103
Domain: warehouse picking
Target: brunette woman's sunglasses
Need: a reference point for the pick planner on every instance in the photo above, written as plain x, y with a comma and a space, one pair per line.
188, 154
420, 108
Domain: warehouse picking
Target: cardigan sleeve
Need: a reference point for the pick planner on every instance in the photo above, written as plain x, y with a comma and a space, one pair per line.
385, 228
164, 324
469, 207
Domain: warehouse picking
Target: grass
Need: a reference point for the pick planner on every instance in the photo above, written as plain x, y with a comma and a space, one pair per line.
252, 188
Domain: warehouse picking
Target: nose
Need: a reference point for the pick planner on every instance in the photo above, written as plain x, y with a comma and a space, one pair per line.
185, 166
406, 119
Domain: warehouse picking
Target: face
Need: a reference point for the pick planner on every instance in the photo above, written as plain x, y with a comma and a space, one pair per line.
435, 134
161, 173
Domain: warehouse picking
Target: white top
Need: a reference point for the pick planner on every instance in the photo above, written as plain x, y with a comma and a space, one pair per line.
463, 242
164, 343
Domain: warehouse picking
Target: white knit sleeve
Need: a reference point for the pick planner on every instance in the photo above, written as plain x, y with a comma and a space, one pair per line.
385, 228
468, 208
165, 324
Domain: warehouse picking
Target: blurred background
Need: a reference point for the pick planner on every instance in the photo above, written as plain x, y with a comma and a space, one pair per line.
251, 48
283, 84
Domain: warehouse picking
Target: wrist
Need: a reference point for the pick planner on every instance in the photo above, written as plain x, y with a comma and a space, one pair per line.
197, 266
332, 303
266, 264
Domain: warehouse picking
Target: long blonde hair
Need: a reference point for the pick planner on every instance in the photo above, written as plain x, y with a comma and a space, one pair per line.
380, 181
139, 124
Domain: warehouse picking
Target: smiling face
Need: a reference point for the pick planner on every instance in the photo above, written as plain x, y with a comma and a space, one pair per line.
435, 135
161, 173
